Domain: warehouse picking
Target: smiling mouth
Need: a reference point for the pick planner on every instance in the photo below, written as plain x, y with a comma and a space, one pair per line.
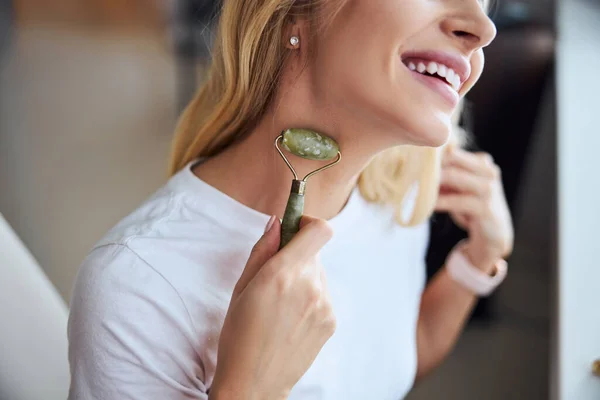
435, 70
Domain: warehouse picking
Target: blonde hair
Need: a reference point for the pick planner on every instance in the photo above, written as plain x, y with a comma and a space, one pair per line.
247, 60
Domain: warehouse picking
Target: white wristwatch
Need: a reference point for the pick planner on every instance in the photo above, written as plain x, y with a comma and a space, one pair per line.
470, 277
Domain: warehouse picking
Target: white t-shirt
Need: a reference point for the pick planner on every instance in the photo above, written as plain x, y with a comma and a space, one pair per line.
150, 299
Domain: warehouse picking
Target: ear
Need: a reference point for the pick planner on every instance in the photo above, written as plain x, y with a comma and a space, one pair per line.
296, 34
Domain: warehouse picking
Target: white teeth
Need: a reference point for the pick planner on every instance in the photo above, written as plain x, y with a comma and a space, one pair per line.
456, 83
432, 68
453, 79
450, 75
442, 70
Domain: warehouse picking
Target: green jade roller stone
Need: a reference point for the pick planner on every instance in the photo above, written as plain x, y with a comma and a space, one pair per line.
312, 146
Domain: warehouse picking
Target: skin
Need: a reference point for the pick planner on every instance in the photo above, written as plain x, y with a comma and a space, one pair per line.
357, 90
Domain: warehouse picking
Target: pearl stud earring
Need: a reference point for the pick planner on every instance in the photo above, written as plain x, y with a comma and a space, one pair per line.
294, 40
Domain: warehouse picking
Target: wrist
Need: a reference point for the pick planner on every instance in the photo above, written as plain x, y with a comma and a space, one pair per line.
480, 259
223, 390
479, 282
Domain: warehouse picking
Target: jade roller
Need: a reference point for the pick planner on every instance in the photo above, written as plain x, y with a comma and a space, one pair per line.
311, 146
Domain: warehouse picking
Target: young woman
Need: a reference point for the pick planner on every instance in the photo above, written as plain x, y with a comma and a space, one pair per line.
341, 312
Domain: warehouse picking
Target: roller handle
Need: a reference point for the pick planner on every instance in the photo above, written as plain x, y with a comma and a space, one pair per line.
293, 213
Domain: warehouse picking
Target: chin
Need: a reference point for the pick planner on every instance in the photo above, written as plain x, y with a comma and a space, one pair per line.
433, 141
430, 131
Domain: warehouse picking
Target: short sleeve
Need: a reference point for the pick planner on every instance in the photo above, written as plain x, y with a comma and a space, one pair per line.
130, 334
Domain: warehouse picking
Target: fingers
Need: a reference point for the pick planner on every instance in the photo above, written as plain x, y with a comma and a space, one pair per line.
461, 220
467, 204
463, 181
313, 235
327, 315
323, 279
306, 219
263, 251
481, 164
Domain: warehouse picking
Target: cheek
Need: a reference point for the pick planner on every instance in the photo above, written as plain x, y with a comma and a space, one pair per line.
361, 46
358, 59
353, 65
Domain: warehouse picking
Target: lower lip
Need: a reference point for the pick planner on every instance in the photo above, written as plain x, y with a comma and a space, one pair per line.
443, 89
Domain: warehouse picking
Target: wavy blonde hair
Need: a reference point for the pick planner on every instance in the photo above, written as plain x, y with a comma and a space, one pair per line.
247, 61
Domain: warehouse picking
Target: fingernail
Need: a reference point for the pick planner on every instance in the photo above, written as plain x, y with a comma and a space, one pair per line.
270, 223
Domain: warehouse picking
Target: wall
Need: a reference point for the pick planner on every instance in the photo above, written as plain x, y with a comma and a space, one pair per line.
85, 124
577, 343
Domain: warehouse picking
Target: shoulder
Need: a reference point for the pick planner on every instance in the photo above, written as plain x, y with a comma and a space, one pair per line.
169, 254
144, 221
173, 237
166, 248
114, 281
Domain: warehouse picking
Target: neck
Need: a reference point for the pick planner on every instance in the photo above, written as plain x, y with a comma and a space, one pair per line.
253, 172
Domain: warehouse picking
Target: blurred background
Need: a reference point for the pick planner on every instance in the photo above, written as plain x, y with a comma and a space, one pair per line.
90, 92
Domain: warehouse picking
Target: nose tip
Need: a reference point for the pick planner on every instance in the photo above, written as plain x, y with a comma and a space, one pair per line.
488, 33
475, 29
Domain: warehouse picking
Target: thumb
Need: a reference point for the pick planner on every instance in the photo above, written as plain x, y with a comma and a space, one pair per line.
307, 220
266, 247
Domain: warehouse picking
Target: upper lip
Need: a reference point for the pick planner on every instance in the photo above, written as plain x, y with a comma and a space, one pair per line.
457, 62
